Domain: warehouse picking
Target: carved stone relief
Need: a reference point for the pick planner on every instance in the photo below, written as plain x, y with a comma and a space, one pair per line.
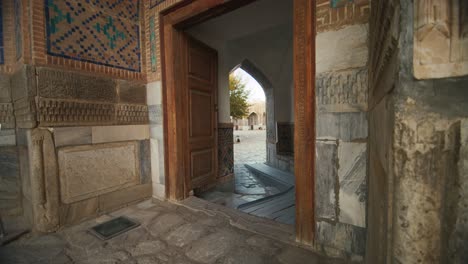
44, 181
67, 85
440, 39
344, 91
60, 98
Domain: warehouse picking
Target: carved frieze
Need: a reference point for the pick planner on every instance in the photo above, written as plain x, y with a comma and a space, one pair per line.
344, 91
68, 85
57, 112
132, 114
440, 39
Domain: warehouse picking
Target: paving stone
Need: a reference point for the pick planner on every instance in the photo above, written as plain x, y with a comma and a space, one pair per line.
244, 256
262, 243
205, 238
293, 255
147, 248
212, 247
185, 234
148, 260
164, 223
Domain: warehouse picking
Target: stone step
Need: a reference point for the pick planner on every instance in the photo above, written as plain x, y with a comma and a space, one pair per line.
271, 176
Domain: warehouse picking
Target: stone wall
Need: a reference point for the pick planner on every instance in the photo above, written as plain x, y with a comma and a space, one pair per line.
83, 144
341, 125
75, 93
417, 187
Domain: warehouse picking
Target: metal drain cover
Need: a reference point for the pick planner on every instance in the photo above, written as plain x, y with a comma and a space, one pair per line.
114, 227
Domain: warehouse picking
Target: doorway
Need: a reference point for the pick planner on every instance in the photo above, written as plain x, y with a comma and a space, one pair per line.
178, 181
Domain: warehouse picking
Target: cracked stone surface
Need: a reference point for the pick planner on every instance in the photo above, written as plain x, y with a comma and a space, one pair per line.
168, 233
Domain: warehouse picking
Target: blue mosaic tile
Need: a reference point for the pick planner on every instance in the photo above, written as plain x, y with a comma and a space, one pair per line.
2, 57
18, 35
153, 43
96, 31
154, 3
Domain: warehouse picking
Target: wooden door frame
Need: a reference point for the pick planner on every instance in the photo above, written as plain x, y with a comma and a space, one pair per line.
191, 12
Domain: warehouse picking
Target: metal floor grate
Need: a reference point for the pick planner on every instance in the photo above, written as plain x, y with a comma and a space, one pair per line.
114, 227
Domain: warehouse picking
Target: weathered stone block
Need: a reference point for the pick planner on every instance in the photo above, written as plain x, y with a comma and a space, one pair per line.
335, 47
53, 83
352, 175
7, 137
123, 197
44, 181
326, 190
343, 91
145, 161
10, 190
351, 239
78, 211
103, 134
91, 170
7, 118
343, 126
5, 93
153, 93
23, 83
66, 136
131, 92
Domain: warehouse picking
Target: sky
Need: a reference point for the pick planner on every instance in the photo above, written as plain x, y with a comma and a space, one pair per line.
251, 85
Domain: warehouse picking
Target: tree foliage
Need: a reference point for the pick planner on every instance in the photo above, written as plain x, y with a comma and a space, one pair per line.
238, 97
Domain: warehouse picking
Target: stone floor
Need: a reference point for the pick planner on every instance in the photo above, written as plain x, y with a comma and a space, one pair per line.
169, 233
246, 187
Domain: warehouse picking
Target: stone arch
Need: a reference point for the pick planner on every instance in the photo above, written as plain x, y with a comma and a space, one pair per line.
253, 119
267, 87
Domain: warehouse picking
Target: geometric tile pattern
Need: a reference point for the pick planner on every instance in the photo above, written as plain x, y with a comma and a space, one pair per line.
18, 35
104, 32
154, 59
2, 57
154, 3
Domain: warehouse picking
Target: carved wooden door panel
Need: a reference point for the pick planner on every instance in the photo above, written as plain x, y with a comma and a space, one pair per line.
202, 117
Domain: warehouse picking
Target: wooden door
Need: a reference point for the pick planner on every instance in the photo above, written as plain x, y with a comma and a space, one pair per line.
202, 117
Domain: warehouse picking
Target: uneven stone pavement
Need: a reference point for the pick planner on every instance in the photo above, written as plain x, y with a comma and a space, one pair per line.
168, 233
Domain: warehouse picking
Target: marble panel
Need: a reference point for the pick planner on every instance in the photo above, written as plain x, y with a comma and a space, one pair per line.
343, 126
123, 197
352, 174
7, 137
326, 189
91, 170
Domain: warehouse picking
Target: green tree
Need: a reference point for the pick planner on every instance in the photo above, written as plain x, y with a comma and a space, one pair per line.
238, 97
